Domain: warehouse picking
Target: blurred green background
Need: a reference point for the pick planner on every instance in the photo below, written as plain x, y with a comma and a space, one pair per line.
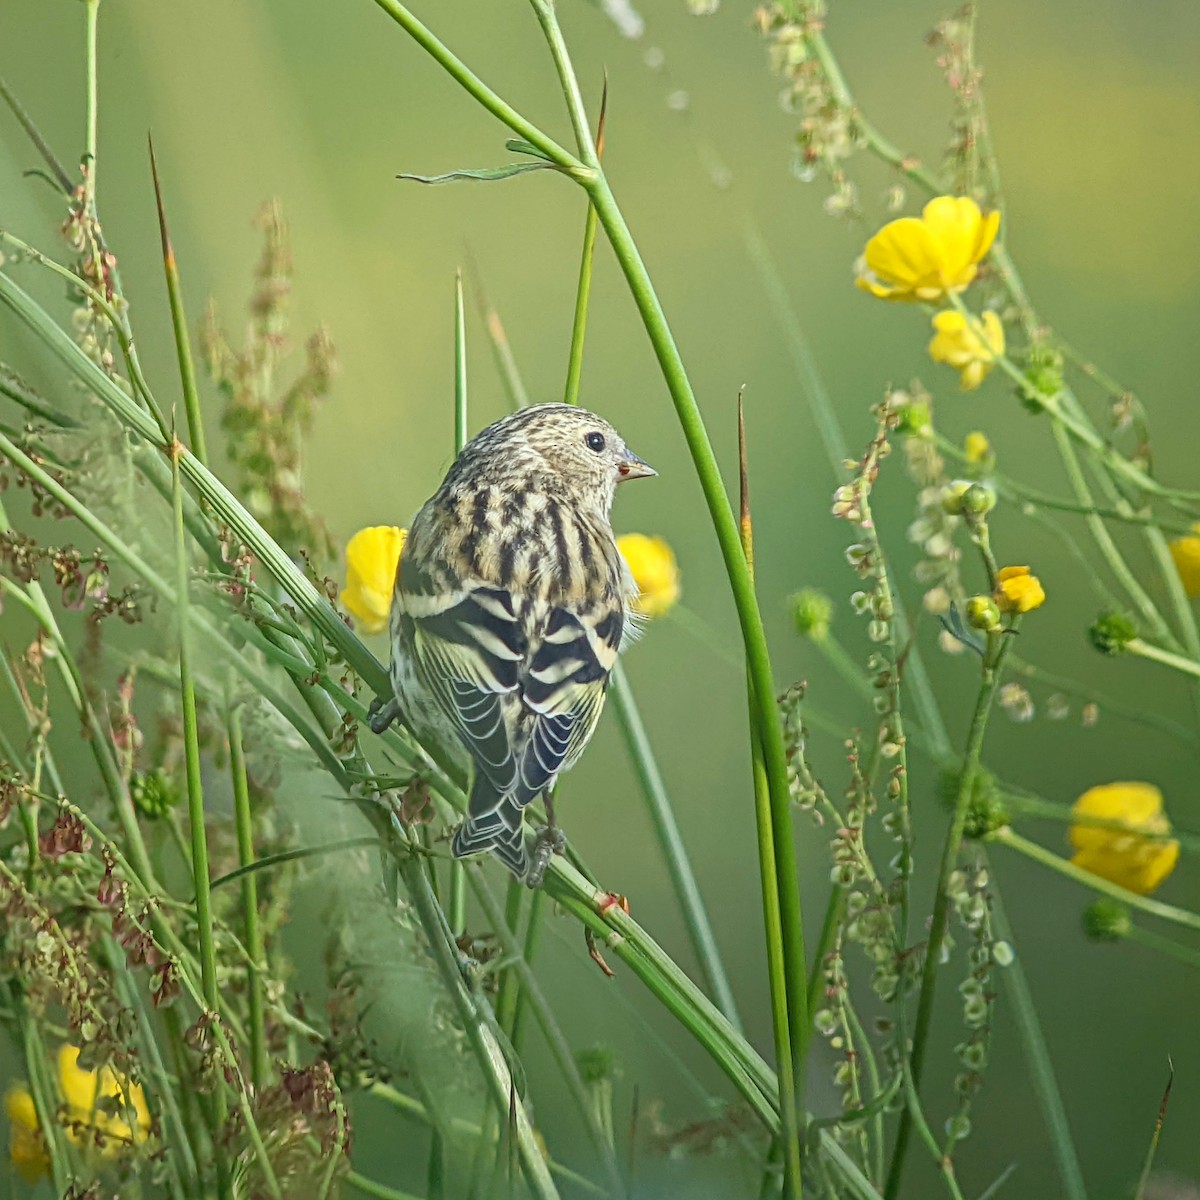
1095, 109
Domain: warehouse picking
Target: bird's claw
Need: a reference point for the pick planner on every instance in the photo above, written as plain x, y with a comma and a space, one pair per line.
550, 841
382, 713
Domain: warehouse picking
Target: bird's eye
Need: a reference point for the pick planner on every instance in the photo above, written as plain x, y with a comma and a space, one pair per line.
595, 441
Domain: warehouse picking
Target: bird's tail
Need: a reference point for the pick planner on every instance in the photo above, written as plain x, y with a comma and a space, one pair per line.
496, 827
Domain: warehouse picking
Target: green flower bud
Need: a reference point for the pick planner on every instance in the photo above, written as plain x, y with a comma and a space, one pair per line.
596, 1064
153, 793
967, 498
1106, 921
812, 612
1043, 376
914, 417
986, 811
983, 613
1112, 632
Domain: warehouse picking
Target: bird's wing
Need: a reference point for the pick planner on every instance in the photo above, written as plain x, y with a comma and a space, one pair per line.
470, 647
564, 689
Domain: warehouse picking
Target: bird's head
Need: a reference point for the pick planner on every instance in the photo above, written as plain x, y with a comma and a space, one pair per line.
584, 455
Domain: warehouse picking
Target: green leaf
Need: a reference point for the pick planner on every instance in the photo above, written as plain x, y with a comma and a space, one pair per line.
483, 174
520, 146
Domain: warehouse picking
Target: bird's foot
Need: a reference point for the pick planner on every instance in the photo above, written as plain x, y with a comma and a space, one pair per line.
550, 841
382, 713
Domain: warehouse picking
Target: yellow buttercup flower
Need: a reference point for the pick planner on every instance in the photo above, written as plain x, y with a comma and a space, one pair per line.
26, 1150
1129, 860
372, 556
972, 344
1017, 591
931, 256
100, 1102
1186, 553
654, 569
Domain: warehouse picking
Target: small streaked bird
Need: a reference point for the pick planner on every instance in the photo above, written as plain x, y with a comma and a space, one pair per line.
510, 606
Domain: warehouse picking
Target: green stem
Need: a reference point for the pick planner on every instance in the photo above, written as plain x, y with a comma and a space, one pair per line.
93, 109
1156, 654
679, 866
1163, 945
559, 1048
474, 86
788, 1055
179, 326
533, 934
369, 1187
195, 798
1037, 1054
1096, 883
255, 947
579, 327
992, 670
1104, 541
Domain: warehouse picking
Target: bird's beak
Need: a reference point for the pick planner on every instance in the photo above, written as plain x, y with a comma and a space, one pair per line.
632, 467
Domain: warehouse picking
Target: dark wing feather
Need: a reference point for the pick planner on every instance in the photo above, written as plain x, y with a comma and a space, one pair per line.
470, 654
564, 688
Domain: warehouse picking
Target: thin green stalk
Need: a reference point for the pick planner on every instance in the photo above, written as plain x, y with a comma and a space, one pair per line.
460, 366
579, 330
533, 934
34, 134
583, 291
992, 671
1176, 662
252, 929
369, 1187
559, 1047
1152, 1149
679, 866
1104, 541
195, 798
1037, 1054
92, 9
179, 324
467, 79
1096, 883
1187, 955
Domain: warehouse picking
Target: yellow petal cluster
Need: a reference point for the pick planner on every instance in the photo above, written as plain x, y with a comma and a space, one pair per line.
1017, 591
1186, 553
976, 447
82, 1092
971, 344
372, 556
652, 564
931, 256
1129, 860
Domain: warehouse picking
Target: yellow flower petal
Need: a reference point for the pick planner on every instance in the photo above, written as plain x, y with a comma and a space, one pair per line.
652, 564
1137, 863
976, 446
931, 256
83, 1090
26, 1149
1186, 553
970, 344
1018, 591
372, 557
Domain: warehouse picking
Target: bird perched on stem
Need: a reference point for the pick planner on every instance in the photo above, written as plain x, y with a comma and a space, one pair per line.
510, 605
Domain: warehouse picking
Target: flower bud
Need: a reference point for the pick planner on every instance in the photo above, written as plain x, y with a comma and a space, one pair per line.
812, 612
1106, 921
966, 498
1112, 632
983, 613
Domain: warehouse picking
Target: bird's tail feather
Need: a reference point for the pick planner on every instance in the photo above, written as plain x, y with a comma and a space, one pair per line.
498, 830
